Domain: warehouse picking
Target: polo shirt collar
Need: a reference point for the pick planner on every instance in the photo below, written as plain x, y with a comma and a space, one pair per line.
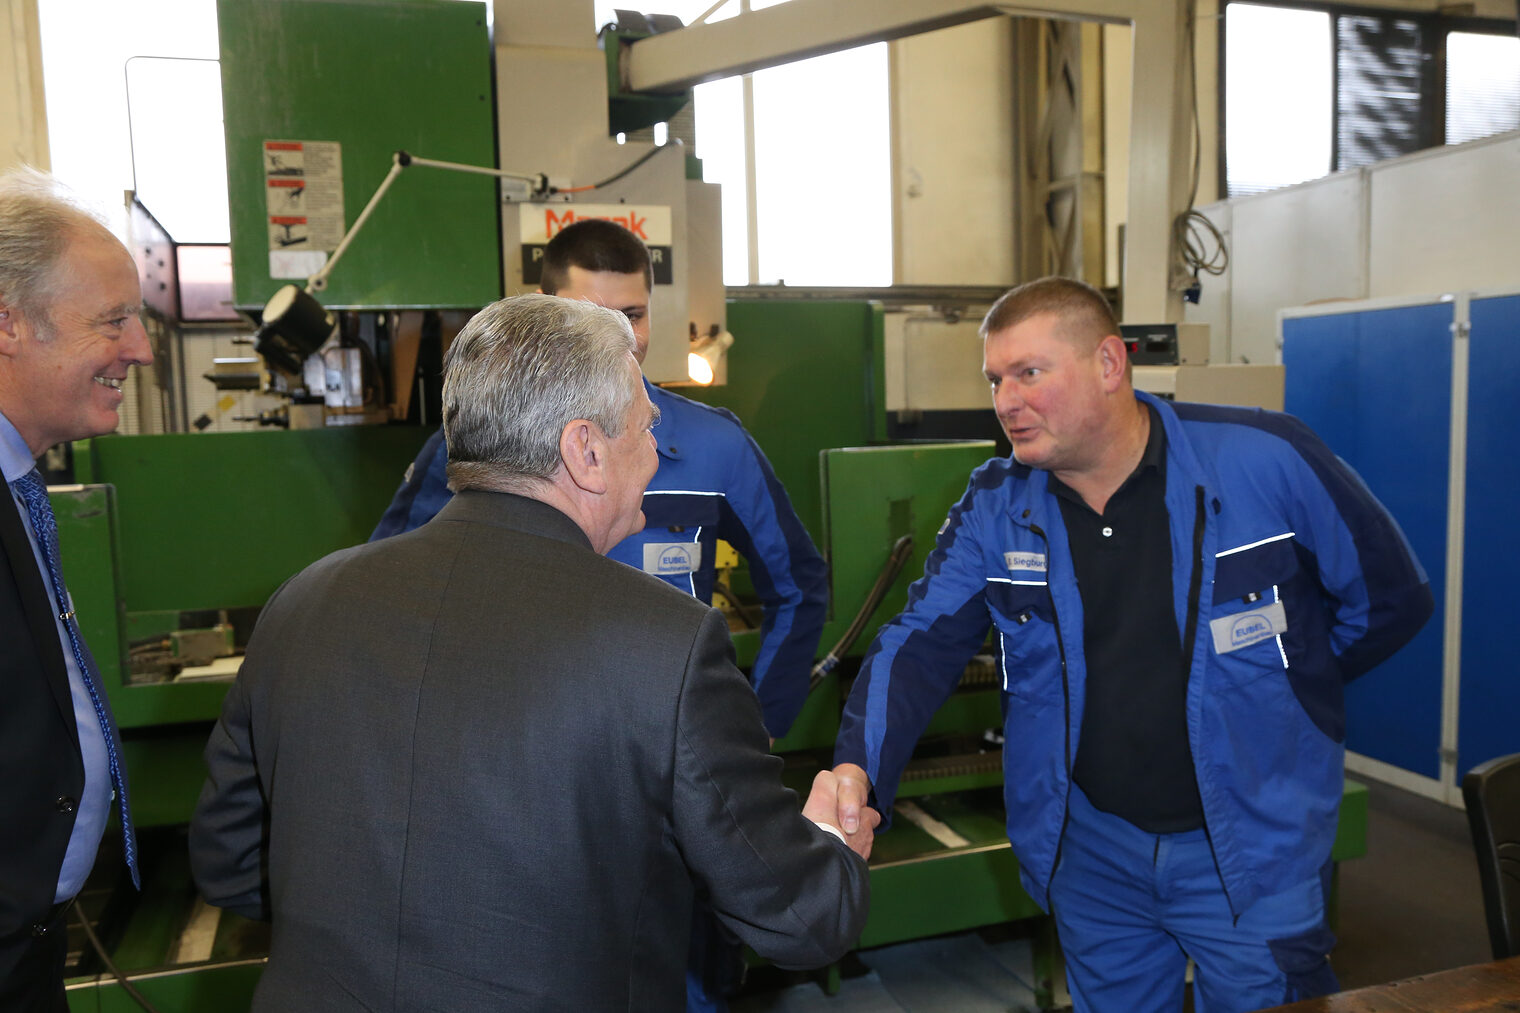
1153, 457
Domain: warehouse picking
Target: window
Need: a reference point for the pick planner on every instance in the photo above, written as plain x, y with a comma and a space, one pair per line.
1279, 134
1482, 85
822, 163
823, 170
1310, 90
1380, 90
822, 159
85, 45
179, 155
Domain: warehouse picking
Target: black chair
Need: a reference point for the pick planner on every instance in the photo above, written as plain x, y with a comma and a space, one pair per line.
1492, 793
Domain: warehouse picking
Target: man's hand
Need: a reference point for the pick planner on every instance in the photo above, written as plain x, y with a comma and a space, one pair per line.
839, 798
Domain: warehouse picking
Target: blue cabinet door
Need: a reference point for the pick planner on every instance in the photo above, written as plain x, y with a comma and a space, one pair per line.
1489, 719
1375, 384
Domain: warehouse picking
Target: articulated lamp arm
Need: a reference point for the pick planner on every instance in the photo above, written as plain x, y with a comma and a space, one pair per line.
399, 161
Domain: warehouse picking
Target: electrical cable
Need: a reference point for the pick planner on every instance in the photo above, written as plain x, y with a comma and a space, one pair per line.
100, 951
1192, 62
896, 559
721, 588
614, 177
1190, 231
1192, 228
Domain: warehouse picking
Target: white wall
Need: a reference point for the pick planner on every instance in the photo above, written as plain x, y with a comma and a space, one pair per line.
1446, 219
1432, 222
952, 133
23, 113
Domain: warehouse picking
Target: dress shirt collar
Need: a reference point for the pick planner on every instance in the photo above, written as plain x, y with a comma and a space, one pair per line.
15, 456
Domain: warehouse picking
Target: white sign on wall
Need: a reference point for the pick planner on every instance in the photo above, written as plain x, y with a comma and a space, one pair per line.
303, 199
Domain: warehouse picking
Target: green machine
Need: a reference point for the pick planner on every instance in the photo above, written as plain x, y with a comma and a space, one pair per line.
164, 530
309, 74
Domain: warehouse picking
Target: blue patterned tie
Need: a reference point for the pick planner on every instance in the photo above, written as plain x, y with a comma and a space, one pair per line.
34, 493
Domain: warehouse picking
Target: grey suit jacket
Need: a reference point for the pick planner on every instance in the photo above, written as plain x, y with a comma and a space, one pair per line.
479, 766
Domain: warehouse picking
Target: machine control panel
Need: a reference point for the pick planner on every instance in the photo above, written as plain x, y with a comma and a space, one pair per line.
1166, 344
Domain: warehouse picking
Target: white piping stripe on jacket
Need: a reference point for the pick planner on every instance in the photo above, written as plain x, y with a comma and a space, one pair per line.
1278, 598
1264, 541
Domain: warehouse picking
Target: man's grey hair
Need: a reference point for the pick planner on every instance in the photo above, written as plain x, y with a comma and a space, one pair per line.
37, 223
520, 371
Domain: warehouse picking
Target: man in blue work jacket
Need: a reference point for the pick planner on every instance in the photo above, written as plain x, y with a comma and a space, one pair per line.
713, 482
1177, 594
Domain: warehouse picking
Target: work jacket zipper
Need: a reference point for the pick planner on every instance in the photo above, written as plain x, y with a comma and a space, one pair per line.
1195, 593
1055, 619
1195, 585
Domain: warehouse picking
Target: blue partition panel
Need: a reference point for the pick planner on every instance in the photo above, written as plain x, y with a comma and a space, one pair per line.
1376, 386
1489, 723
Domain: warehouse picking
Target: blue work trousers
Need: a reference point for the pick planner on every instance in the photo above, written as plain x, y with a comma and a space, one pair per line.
1131, 908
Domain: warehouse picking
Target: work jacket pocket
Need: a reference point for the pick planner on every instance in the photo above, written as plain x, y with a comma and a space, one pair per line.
1249, 616
1024, 627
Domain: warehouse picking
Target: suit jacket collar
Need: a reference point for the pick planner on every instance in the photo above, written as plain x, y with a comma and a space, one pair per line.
16, 552
520, 513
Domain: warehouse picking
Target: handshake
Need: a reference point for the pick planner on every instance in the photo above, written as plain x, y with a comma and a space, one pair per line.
838, 800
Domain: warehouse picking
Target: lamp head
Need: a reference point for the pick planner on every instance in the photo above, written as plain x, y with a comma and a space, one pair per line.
295, 325
706, 356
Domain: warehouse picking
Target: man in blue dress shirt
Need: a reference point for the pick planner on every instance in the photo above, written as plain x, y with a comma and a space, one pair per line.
713, 482
69, 332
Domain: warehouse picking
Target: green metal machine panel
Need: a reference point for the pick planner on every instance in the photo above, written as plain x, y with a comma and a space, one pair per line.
803, 377
952, 892
875, 495
87, 547
373, 77
166, 765
871, 497
1351, 831
215, 987
206, 521
220, 520
89, 537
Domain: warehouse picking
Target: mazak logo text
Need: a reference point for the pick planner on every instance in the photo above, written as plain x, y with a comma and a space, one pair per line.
632, 221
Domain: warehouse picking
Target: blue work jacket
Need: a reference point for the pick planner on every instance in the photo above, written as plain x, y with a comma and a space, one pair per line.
713, 482
1288, 580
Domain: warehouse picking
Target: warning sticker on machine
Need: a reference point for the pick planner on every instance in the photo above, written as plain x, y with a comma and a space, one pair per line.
303, 198
539, 223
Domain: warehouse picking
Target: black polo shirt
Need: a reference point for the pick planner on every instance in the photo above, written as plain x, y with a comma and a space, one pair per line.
1133, 758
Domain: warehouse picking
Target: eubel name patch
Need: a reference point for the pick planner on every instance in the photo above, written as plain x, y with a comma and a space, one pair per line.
671, 559
1243, 629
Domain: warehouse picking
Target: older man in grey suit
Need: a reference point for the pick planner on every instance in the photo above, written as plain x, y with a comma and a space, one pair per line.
479, 766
